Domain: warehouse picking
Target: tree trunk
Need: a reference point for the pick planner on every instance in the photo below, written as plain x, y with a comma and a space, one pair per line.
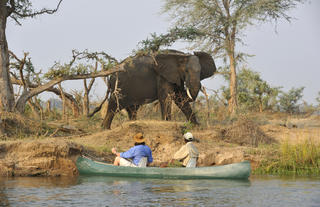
34, 109
63, 103
232, 102
21, 102
260, 104
87, 89
203, 89
48, 108
74, 107
86, 103
38, 105
6, 89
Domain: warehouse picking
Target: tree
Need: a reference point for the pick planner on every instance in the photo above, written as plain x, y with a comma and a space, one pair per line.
318, 99
223, 23
253, 92
33, 83
288, 101
15, 9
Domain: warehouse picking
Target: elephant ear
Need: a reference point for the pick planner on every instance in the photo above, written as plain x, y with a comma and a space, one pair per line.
171, 67
208, 67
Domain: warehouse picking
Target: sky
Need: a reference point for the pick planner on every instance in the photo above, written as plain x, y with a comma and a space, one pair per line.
285, 55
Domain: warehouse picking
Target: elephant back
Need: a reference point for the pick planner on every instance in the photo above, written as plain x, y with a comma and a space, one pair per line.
138, 82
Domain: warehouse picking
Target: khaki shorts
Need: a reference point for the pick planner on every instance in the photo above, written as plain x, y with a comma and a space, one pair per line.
127, 163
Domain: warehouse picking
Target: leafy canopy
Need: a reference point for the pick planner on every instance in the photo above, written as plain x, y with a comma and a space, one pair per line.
155, 43
223, 21
289, 101
253, 92
78, 65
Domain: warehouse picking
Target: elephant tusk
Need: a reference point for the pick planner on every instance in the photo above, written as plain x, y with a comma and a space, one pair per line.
188, 93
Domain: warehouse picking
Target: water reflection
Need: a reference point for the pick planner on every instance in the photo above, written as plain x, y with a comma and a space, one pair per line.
33, 182
111, 191
32, 190
3, 197
149, 192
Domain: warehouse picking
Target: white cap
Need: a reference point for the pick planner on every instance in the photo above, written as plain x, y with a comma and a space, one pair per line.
188, 136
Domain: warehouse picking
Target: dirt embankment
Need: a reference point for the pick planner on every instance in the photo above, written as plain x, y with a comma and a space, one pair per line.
217, 145
48, 157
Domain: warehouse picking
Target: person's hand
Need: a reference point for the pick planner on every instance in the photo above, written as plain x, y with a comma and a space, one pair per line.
113, 150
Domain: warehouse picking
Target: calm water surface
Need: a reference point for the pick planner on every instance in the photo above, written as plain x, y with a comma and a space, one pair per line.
108, 191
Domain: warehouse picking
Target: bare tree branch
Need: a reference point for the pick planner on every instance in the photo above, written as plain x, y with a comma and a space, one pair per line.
42, 11
98, 108
25, 96
12, 8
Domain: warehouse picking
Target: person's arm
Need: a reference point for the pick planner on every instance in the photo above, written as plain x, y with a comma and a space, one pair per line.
150, 158
114, 151
128, 154
181, 153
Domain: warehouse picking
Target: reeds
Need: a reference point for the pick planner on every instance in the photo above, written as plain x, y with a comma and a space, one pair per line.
302, 158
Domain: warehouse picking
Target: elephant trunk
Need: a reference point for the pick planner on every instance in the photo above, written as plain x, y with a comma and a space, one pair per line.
192, 87
193, 90
192, 82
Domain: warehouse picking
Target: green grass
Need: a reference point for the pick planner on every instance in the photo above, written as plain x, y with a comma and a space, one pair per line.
293, 159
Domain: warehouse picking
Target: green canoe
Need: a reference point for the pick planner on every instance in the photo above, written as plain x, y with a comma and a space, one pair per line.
241, 170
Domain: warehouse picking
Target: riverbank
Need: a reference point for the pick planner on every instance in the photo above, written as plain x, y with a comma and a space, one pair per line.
218, 145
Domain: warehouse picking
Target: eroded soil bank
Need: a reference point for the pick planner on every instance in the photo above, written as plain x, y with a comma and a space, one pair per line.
47, 157
217, 145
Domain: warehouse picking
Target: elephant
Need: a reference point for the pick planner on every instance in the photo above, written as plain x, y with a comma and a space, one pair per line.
165, 76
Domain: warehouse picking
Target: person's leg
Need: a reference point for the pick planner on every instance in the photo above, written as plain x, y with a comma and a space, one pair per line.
125, 162
116, 161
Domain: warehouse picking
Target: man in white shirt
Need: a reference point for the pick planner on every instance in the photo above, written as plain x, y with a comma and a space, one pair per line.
188, 153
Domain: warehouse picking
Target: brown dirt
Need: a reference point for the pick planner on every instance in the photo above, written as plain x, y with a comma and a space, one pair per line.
245, 133
165, 138
48, 157
217, 145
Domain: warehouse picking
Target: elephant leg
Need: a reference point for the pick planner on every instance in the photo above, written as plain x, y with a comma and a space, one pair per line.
163, 107
168, 105
111, 111
165, 89
184, 105
132, 111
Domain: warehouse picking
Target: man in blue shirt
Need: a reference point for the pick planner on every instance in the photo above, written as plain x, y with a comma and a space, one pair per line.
135, 153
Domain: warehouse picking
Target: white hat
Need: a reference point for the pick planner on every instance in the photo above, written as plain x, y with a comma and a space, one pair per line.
188, 136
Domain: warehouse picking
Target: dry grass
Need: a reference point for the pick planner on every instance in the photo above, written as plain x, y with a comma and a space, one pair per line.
12, 124
245, 132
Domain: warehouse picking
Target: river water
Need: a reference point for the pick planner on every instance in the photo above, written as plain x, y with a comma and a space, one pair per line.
109, 191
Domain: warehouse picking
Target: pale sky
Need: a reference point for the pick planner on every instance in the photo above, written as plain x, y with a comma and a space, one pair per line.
288, 58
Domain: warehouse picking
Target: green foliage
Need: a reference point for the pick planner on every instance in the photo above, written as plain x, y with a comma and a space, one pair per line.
156, 41
77, 67
187, 127
26, 66
288, 101
175, 163
58, 70
318, 99
223, 22
293, 159
254, 93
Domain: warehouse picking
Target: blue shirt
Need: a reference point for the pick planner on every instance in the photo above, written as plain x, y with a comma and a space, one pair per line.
137, 152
